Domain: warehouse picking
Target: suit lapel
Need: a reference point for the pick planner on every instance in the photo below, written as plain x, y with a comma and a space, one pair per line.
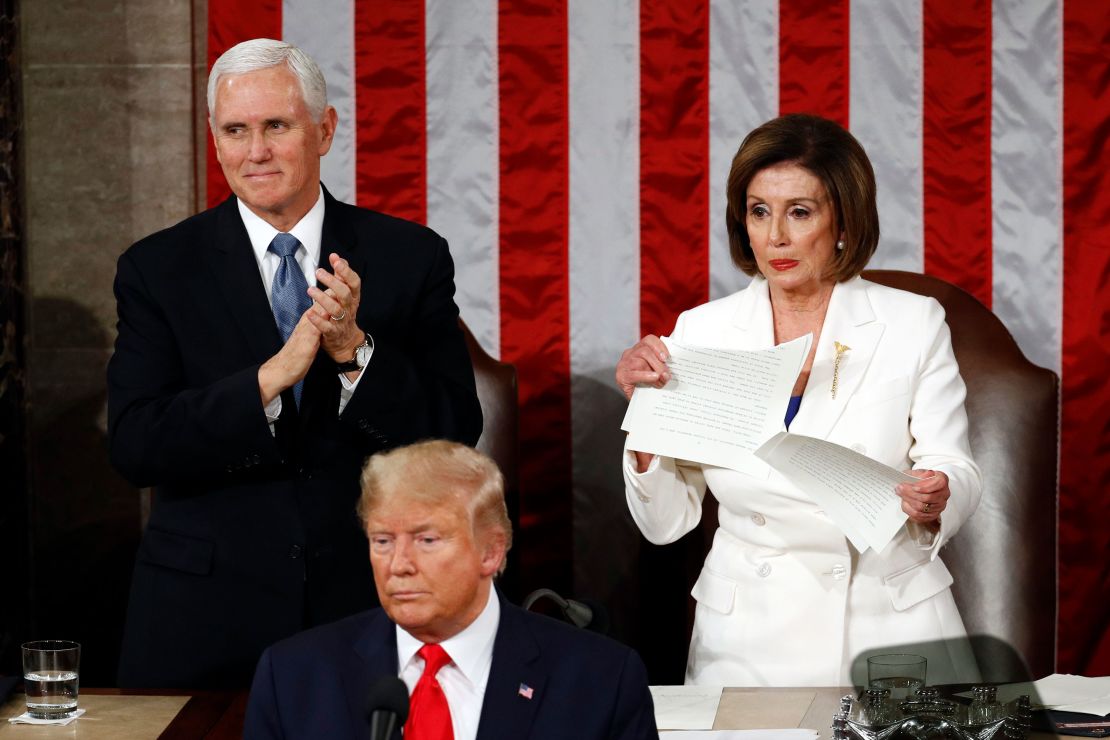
234, 269
337, 235
516, 670
850, 320
752, 322
321, 386
374, 655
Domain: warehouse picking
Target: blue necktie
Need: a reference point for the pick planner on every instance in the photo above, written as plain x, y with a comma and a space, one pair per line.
289, 293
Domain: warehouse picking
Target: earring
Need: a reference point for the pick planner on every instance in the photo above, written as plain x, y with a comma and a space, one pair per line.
840, 244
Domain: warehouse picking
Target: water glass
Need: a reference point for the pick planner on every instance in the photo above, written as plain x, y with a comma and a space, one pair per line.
902, 673
50, 669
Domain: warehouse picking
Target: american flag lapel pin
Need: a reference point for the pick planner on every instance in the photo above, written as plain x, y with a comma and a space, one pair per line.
525, 690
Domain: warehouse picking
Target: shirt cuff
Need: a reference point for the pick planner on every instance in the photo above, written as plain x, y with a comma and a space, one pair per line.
347, 388
273, 409
350, 385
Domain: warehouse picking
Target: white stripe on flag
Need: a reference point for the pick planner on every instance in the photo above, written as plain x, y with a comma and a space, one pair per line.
604, 230
743, 93
462, 88
1026, 142
328, 37
885, 113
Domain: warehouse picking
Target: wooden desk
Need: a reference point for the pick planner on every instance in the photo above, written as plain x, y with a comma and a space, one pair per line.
218, 715
812, 708
113, 714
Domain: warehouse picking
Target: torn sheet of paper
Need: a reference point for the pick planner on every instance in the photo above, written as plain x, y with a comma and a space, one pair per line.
719, 406
855, 491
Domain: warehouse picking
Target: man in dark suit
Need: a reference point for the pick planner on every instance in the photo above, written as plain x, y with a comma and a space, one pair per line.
250, 399
476, 666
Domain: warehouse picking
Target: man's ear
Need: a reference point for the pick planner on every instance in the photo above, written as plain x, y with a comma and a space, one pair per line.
493, 553
327, 129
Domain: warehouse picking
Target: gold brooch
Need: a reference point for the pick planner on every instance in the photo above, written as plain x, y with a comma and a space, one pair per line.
840, 350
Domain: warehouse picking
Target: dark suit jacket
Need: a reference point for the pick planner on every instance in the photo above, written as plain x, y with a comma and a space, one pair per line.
253, 537
584, 686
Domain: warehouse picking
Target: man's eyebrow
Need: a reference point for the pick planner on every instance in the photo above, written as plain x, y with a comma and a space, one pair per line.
418, 527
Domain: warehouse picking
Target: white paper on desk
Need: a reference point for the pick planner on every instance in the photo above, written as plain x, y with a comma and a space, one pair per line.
855, 491
719, 406
1063, 691
743, 735
685, 707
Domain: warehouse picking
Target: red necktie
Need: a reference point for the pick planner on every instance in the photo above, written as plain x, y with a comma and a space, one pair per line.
429, 715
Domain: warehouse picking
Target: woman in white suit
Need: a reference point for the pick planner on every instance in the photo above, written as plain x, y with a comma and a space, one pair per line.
783, 598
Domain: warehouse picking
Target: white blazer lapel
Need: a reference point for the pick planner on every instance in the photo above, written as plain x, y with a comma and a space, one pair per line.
753, 319
850, 320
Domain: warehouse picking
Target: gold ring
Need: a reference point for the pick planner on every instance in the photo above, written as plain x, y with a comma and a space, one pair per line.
928, 508
340, 317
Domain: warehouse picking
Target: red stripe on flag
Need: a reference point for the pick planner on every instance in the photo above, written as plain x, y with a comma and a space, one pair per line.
390, 116
674, 160
230, 22
957, 143
1084, 617
814, 58
535, 309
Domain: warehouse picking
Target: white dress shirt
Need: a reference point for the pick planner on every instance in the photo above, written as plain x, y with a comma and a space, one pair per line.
464, 678
309, 232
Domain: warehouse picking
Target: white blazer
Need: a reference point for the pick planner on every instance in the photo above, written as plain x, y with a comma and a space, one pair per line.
783, 598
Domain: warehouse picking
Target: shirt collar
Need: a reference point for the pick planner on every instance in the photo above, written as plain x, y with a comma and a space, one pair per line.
471, 650
308, 230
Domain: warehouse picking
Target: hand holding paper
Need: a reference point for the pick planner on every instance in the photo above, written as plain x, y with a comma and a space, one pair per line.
856, 491
719, 405
725, 408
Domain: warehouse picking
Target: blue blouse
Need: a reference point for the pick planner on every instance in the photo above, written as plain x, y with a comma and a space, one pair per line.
792, 409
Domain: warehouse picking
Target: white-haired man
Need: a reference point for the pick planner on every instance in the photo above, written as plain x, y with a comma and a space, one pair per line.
266, 347
476, 667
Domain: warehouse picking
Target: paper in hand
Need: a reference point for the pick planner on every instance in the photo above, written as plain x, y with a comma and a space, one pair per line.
856, 491
719, 406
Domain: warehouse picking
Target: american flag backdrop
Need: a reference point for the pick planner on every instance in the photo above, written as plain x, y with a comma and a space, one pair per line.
574, 153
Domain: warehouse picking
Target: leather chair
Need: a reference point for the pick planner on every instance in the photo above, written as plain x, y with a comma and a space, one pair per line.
497, 392
1003, 559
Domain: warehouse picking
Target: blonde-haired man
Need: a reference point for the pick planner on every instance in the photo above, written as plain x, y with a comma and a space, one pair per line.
435, 515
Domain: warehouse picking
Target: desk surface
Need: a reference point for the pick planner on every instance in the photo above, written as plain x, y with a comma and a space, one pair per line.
116, 715
112, 714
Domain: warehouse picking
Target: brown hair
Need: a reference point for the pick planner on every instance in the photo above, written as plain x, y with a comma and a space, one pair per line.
835, 158
434, 472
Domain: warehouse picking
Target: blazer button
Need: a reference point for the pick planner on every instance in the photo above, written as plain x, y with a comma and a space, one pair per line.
758, 520
763, 570
295, 552
839, 572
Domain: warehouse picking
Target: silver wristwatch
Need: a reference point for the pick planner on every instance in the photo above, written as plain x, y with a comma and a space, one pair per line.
361, 358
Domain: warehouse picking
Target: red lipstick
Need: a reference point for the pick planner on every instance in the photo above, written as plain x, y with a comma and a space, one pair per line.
783, 265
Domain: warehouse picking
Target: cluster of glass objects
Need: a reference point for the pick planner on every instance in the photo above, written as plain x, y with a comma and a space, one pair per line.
875, 716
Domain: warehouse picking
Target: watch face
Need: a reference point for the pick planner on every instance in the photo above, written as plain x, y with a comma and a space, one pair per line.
362, 355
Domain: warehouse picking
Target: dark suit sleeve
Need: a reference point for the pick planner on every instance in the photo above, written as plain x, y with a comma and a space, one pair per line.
420, 382
634, 713
262, 720
162, 426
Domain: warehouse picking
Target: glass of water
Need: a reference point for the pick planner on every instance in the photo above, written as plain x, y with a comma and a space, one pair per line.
50, 669
902, 673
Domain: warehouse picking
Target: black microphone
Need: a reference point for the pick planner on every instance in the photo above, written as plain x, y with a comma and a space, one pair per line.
587, 615
387, 707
